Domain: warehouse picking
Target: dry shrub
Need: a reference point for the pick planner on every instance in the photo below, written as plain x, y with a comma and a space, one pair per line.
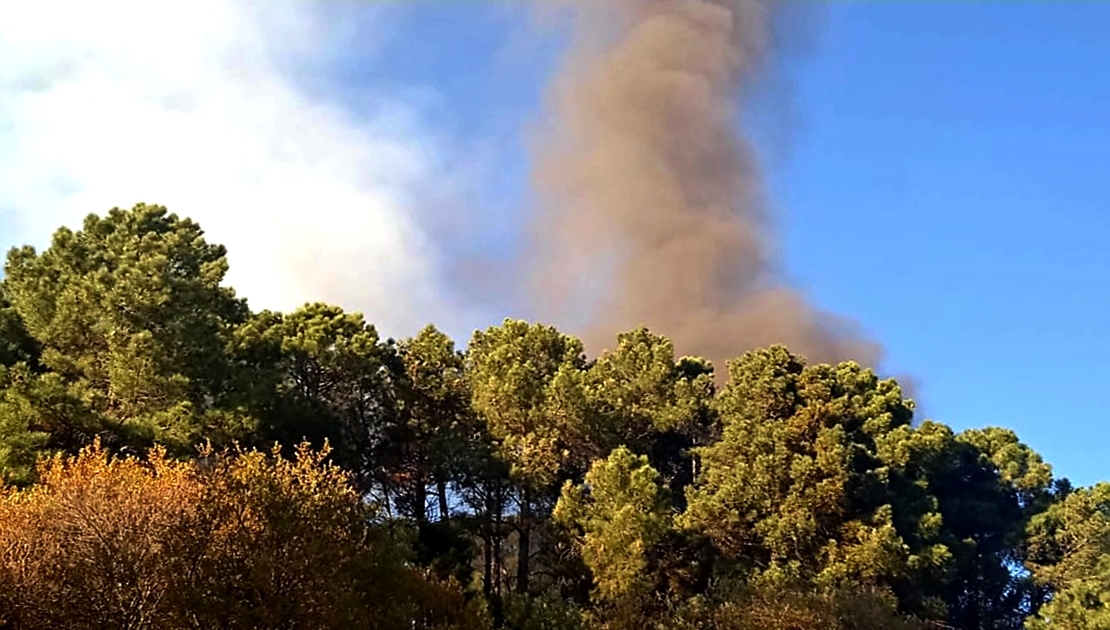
242, 540
92, 545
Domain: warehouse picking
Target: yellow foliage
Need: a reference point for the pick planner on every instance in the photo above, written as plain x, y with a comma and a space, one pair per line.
92, 540
236, 540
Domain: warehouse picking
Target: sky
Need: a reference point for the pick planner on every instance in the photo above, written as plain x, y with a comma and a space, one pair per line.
936, 170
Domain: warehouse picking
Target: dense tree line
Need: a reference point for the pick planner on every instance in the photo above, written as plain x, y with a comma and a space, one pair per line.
175, 460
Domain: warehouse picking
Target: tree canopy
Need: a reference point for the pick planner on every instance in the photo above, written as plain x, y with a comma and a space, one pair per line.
173, 459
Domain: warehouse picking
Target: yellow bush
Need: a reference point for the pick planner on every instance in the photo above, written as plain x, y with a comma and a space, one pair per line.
236, 540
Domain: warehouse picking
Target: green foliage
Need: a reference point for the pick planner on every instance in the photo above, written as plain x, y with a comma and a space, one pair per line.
16, 345
622, 513
796, 488
544, 612
639, 390
34, 408
984, 485
526, 386
433, 440
130, 314
1070, 553
640, 397
314, 374
989, 488
798, 496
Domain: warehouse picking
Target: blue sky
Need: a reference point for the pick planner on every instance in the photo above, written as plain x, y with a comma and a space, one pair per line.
949, 188
937, 171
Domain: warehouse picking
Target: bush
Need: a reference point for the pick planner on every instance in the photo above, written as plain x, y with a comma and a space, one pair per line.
236, 540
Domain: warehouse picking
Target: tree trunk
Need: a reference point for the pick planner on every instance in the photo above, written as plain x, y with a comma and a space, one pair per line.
498, 561
441, 492
489, 535
524, 548
487, 569
420, 502
387, 503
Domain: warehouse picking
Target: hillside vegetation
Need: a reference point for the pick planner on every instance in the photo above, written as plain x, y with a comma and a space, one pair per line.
174, 460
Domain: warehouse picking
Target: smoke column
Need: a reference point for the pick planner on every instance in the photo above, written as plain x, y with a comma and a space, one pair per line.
651, 208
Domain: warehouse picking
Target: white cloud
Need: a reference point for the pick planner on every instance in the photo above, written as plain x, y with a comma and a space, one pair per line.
192, 104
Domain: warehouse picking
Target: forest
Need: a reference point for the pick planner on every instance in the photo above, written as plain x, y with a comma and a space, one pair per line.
172, 460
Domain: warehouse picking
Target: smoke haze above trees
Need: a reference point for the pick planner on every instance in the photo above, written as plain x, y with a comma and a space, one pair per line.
343, 196
651, 202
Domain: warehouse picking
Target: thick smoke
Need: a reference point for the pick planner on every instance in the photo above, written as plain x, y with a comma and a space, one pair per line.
651, 206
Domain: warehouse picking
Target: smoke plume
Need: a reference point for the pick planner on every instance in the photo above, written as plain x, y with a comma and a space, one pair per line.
651, 205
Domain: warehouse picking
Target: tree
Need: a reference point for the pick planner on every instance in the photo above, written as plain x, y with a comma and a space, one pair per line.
799, 496
621, 513
988, 486
434, 449
796, 491
778, 609
282, 541
642, 398
131, 314
433, 437
320, 373
21, 438
1069, 546
526, 386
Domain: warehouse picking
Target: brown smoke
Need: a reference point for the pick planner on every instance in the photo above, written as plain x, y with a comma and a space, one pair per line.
651, 206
